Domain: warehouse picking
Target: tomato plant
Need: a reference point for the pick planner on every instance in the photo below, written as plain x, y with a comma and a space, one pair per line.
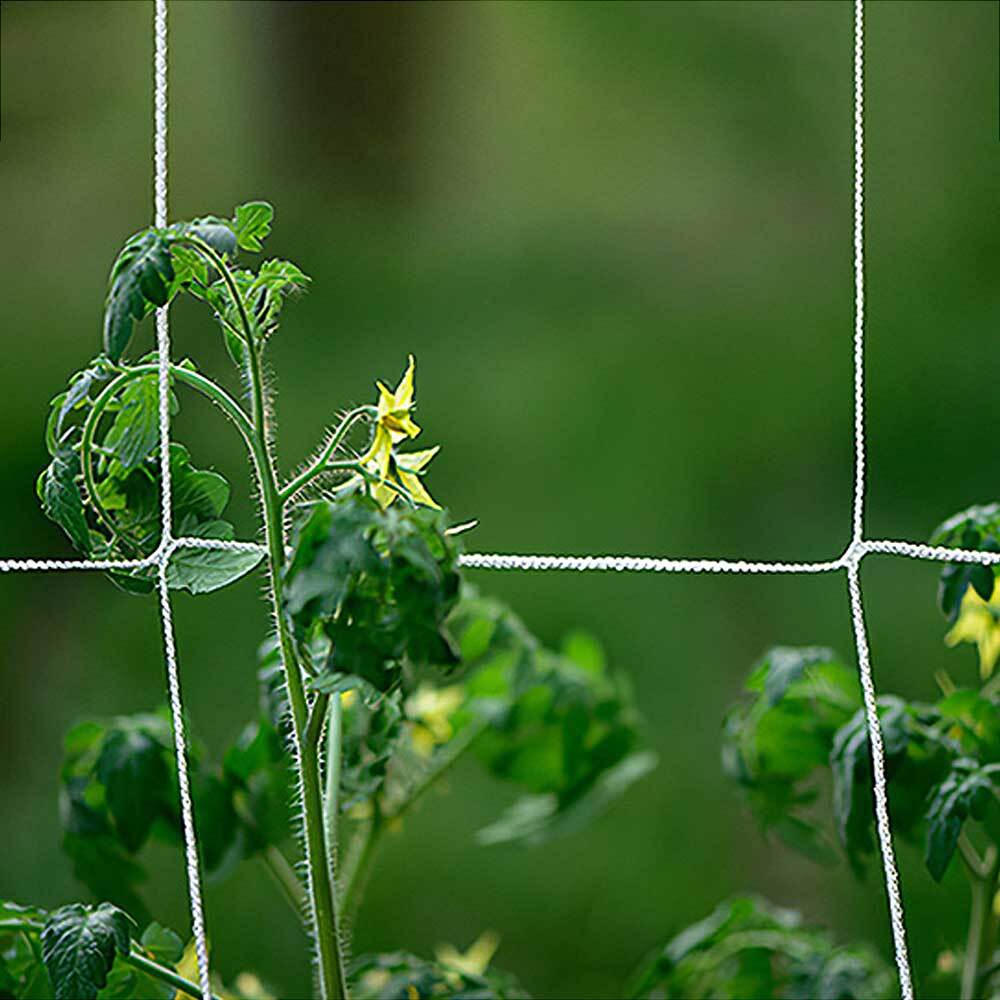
384, 668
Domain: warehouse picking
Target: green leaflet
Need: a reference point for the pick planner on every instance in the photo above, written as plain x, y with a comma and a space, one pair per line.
119, 792
135, 433
400, 974
377, 584
61, 498
139, 282
968, 791
562, 727
127, 486
252, 224
976, 528
144, 277
79, 944
774, 742
750, 948
134, 771
200, 571
916, 752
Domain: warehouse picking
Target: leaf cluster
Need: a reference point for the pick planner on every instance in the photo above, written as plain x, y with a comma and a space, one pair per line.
377, 585
119, 792
559, 725
400, 974
122, 520
78, 952
803, 719
748, 948
157, 263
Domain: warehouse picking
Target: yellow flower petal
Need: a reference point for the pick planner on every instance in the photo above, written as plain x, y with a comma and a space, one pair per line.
979, 622
476, 960
404, 391
416, 461
415, 488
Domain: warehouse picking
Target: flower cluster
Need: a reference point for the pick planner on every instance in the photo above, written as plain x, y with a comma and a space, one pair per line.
391, 473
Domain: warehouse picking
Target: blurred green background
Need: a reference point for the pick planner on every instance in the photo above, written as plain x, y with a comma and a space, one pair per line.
617, 236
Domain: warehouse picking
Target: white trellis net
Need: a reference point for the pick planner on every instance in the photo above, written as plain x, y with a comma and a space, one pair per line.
848, 562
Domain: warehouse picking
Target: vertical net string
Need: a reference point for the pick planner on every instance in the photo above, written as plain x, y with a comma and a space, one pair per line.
166, 533
857, 548
882, 821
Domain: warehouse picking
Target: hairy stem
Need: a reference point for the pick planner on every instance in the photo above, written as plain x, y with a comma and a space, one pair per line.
284, 877
319, 465
357, 879
331, 799
332, 982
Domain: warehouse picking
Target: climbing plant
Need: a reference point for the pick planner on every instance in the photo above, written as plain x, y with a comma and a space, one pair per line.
384, 668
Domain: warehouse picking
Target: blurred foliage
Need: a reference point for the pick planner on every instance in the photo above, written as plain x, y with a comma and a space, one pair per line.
748, 948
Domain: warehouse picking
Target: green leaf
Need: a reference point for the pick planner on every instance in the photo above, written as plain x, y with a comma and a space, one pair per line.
916, 757
79, 944
133, 769
977, 528
139, 282
750, 948
399, 974
774, 742
135, 433
77, 395
253, 224
61, 498
565, 730
538, 818
378, 584
162, 944
201, 571
217, 233
968, 790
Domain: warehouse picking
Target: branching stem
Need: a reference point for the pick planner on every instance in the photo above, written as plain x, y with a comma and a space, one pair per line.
321, 877
321, 463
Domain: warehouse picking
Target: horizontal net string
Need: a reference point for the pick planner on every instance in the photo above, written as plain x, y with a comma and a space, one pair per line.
501, 561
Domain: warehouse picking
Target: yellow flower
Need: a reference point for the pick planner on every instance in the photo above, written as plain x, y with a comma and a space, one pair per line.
979, 622
432, 708
393, 422
476, 960
401, 470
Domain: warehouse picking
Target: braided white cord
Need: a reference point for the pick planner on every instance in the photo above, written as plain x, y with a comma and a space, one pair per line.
882, 821
859, 271
875, 744
68, 565
639, 564
166, 546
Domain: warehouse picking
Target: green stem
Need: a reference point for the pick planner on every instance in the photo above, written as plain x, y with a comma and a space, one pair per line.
134, 959
331, 800
459, 745
332, 981
984, 887
158, 971
357, 879
284, 877
205, 386
319, 465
